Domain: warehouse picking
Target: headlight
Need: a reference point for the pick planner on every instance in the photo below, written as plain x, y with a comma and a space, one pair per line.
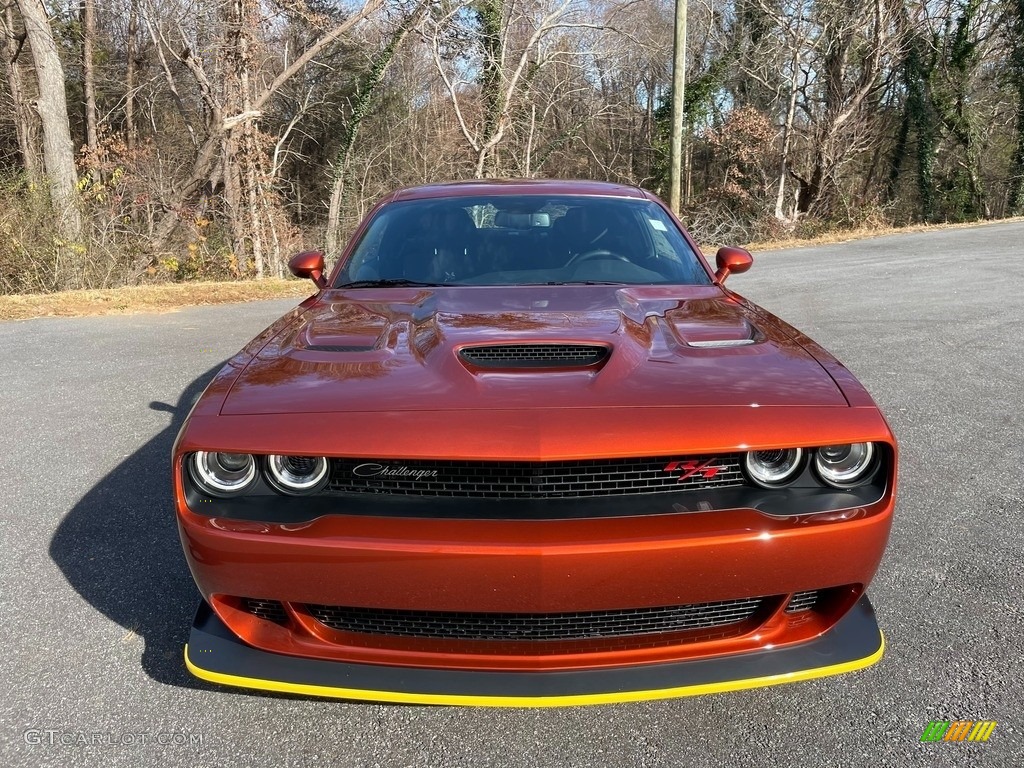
775, 467
844, 465
297, 475
222, 474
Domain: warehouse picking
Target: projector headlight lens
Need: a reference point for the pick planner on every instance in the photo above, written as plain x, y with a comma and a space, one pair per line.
297, 475
222, 474
844, 465
775, 467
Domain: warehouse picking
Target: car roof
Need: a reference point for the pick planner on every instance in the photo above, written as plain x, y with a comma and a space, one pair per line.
519, 187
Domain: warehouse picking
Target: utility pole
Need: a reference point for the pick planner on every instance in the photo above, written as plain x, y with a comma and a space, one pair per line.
678, 91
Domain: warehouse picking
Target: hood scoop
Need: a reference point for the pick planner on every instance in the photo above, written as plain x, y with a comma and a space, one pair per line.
534, 356
707, 325
706, 343
339, 348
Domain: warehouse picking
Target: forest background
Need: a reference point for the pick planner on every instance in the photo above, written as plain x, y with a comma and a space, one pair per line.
150, 141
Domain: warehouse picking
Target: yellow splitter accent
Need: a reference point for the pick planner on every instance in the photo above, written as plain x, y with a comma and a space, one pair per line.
215, 655
398, 697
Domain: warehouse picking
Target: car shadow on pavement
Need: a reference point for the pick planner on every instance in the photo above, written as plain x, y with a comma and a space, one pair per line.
119, 548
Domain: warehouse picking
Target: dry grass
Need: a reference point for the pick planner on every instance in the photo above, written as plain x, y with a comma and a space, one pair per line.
146, 298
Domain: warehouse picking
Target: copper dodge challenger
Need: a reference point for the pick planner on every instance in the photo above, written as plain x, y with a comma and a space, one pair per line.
524, 447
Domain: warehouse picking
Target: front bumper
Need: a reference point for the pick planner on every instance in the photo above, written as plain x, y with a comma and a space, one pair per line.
215, 654
532, 567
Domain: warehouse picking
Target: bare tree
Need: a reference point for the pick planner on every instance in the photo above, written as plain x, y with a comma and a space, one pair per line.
234, 151
512, 36
51, 104
793, 26
360, 107
89, 72
849, 47
25, 120
232, 131
131, 65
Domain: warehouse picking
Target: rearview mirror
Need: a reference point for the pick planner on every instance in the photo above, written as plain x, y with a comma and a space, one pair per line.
309, 265
729, 260
516, 220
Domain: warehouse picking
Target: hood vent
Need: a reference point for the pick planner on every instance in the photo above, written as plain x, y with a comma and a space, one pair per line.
535, 355
339, 348
706, 343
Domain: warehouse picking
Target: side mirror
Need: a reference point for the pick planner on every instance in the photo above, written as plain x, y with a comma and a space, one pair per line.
309, 265
729, 260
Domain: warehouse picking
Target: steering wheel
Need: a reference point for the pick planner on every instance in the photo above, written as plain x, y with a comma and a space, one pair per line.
597, 253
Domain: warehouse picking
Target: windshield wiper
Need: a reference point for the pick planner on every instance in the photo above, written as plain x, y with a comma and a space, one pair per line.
389, 283
585, 282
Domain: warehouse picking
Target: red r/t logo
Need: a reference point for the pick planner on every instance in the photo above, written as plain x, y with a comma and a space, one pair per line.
693, 468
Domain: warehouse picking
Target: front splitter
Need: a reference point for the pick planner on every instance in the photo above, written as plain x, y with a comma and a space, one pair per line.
215, 654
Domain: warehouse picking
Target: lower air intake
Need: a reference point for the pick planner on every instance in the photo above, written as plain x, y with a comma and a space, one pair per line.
802, 601
536, 626
271, 610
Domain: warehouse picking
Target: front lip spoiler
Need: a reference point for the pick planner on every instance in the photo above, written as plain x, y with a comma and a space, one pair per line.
215, 654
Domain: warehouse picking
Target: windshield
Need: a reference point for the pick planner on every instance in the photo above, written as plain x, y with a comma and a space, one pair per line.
522, 240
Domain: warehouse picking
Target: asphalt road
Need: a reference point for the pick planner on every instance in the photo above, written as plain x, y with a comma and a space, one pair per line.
97, 601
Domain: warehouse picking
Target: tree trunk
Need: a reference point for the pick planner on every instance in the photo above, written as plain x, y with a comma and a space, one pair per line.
1016, 191
89, 72
1017, 178
896, 159
58, 151
245, 156
675, 183
842, 100
234, 145
360, 109
917, 73
787, 139
490, 15
204, 166
129, 80
959, 116
26, 123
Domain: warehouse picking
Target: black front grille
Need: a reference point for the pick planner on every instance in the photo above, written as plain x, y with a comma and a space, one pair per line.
802, 601
271, 610
536, 626
535, 355
535, 480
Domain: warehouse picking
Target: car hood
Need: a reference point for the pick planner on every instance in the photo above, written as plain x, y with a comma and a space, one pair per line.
398, 350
